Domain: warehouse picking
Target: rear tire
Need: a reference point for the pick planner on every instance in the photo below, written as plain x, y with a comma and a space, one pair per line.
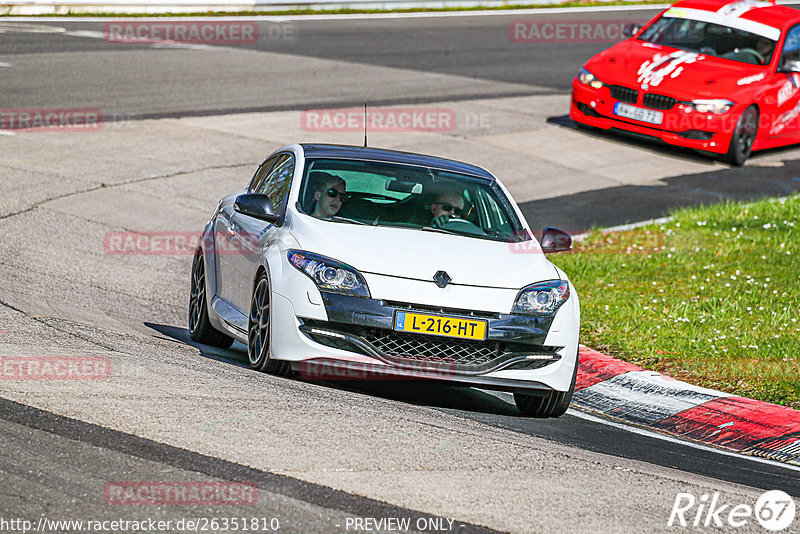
743, 137
259, 332
549, 404
200, 328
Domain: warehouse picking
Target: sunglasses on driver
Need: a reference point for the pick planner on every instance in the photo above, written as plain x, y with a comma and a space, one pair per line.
333, 193
454, 209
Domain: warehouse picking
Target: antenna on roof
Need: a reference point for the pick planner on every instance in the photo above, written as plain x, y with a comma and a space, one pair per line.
365, 125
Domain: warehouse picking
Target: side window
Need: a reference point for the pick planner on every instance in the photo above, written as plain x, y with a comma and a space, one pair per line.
276, 184
791, 46
261, 173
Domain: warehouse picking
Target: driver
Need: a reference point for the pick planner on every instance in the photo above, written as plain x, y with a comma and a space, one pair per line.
446, 204
329, 195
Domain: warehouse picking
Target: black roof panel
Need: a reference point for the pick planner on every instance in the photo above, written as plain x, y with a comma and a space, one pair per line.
394, 156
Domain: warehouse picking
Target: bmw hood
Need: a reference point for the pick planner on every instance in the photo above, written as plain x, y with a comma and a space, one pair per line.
419, 255
673, 72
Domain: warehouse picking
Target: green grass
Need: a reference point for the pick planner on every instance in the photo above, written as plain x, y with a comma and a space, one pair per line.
578, 3
710, 297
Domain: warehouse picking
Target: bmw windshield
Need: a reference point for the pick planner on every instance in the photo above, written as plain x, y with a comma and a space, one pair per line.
388, 194
711, 39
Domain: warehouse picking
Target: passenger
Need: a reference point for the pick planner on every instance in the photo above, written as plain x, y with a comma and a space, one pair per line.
447, 203
328, 195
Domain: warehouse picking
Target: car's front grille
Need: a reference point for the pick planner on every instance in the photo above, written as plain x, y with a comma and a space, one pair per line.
624, 94
419, 351
654, 101
404, 348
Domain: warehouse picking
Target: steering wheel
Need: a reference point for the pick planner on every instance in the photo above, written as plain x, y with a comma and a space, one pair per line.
754, 53
707, 50
458, 224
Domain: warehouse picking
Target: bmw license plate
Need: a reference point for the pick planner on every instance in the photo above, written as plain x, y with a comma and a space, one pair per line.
439, 325
639, 114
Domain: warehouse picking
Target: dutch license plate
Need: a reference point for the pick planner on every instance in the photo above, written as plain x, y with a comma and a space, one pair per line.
639, 114
438, 325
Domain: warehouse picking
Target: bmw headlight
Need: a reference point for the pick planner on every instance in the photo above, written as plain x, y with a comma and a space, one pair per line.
328, 274
586, 77
717, 106
542, 298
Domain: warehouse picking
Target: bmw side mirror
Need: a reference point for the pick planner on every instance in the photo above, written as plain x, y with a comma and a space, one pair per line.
555, 240
630, 29
255, 205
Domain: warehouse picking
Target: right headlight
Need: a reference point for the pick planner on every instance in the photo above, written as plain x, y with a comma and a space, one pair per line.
586, 77
542, 298
329, 274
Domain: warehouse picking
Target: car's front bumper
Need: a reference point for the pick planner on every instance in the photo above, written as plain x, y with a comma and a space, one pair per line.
700, 131
358, 341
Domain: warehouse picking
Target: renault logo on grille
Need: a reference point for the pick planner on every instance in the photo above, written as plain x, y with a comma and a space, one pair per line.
441, 278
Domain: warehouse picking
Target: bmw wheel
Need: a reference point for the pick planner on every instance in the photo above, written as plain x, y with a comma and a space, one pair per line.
743, 137
200, 328
259, 332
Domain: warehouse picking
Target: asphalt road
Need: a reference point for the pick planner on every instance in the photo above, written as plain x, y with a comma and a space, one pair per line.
319, 453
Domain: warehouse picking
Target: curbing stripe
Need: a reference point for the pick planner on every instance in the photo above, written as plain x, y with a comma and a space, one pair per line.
643, 397
646, 398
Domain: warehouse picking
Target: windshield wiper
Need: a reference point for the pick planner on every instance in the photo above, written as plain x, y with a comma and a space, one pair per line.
346, 220
440, 230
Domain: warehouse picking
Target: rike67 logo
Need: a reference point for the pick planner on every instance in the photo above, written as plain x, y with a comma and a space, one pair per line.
774, 511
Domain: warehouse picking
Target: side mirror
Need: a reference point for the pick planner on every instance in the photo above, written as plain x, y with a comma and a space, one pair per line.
789, 65
255, 205
629, 30
555, 240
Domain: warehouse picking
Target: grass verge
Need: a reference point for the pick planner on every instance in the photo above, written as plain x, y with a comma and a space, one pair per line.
710, 297
577, 3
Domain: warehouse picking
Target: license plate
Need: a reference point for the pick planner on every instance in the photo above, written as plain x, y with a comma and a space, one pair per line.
639, 114
438, 325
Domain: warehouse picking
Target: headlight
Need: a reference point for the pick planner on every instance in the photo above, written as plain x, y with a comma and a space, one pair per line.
718, 106
329, 275
586, 77
542, 298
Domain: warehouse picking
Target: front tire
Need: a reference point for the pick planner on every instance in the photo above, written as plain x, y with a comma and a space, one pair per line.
549, 404
200, 328
743, 137
259, 332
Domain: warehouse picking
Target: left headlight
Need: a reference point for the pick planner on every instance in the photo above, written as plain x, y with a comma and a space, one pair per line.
717, 105
542, 298
329, 274
586, 77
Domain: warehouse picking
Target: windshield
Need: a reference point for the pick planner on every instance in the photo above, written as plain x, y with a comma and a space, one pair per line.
394, 195
710, 40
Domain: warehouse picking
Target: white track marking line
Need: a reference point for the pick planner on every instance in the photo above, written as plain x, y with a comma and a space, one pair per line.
508, 397
7, 65
658, 435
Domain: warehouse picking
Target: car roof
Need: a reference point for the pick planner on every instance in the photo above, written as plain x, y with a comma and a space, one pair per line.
765, 12
393, 156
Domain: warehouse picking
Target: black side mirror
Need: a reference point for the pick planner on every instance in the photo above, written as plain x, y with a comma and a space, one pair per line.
555, 240
630, 29
255, 205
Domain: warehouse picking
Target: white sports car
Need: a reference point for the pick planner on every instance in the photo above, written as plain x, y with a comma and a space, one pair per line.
390, 265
